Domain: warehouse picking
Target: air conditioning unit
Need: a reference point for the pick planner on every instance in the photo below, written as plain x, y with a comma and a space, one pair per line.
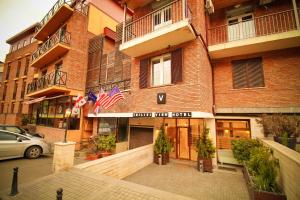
265, 2
209, 7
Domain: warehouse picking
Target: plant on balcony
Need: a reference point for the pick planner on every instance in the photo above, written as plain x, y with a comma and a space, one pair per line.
162, 147
106, 144
261, 169
285, 128
205, 150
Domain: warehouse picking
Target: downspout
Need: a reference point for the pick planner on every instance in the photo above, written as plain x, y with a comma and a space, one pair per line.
124, 23
296, 14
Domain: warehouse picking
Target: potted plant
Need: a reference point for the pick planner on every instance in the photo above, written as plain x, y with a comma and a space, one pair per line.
93, 151
260, 169
106, 144
285, 128
206, 151
162, 148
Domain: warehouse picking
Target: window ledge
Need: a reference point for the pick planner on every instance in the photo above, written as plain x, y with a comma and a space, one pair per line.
247, 89
159, 86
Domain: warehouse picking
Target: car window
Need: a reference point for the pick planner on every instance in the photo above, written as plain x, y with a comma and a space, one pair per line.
13, 129
1, 128
7, 136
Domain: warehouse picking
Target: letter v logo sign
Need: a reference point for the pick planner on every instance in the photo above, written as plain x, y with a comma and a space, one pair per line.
161, 98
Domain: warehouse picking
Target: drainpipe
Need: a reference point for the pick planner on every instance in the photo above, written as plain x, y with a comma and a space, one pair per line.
124, 21
296, 14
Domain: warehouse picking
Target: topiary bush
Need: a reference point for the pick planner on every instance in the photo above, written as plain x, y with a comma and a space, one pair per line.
205, 146
162, 143
242, 148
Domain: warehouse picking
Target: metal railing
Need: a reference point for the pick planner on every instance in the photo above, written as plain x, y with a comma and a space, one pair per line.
61, 36
123, 85
259, 26
167, 14
52, 12
57, 77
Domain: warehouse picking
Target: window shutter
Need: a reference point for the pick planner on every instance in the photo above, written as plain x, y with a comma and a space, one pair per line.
239, 75
144, 73
255, 73
176, 66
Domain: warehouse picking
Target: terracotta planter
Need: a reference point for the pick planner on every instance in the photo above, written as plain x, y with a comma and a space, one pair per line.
156, 158
260, 195
105, 153
91, 156
165, 158
291, 141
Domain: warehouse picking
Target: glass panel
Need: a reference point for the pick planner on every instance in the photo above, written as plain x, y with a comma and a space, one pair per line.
122, 132
107, 126
183, 143
170, 125
182, 122
156, 73
196, 127
167, 71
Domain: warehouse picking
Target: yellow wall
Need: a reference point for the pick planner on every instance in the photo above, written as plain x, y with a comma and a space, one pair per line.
98, 20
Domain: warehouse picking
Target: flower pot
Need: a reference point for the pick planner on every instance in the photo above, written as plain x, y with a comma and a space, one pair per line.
156, 158
259, 194
207, 164
105, 153
91, 156
165, 158
291, 141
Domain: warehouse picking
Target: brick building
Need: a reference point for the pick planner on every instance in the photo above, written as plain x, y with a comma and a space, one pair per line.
219, 64
58, 67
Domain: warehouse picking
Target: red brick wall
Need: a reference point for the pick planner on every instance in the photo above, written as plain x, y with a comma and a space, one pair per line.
194, 93
281, 76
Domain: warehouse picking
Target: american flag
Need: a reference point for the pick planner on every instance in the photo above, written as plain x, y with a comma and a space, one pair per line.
113, 97
101, 99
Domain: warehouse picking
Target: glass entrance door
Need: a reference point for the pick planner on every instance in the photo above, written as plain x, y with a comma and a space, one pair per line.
183, 145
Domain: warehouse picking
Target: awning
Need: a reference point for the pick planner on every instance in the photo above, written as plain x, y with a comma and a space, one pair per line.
35, 100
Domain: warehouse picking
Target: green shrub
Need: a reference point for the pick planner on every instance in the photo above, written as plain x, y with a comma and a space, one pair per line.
205, 146
241, 148
106, 142
264, 169
162, 143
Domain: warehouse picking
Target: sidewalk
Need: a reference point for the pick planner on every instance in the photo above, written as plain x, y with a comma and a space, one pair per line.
78, 184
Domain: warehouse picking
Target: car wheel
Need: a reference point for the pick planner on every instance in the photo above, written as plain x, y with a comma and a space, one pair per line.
33, 152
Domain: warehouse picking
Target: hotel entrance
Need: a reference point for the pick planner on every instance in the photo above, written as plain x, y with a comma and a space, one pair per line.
183, 134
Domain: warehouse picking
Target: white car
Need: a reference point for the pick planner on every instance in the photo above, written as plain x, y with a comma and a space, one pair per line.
14, 145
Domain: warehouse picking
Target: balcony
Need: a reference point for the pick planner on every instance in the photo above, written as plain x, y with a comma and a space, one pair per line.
57, 15
265, 33
51, 83
158, 30
56, 46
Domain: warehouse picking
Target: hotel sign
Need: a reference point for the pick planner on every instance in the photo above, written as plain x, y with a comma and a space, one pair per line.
181, 114
162, 114
148, 114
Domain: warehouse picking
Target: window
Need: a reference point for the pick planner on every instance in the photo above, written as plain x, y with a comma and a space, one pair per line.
7, 136
248, 73
164, 69
13, 129
12, 108
23, 89
20, 107
24, 43
116, 126
15, 90
241, 27
18, 69
19, 45
161, 70
4, 92
7, 72
26, 66
162, 17
2, 108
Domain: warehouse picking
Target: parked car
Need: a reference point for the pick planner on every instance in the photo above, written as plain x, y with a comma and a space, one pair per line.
19, 130
14, 145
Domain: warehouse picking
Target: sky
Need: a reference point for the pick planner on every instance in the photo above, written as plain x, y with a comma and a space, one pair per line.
17, 15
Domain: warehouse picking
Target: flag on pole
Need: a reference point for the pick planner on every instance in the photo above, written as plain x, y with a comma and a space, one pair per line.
92, 97
80, 101
102, 98
113, 97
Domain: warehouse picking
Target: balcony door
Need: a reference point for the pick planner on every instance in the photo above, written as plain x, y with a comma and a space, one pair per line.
241, 27
162, 17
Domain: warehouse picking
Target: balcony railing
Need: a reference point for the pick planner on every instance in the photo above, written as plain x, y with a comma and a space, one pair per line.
166, 15
61, 36
52, 12
259, 26
57, 78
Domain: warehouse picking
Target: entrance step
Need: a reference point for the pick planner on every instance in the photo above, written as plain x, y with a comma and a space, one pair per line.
184, 162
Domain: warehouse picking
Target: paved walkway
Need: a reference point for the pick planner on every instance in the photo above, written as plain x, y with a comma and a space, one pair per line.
29, 169
78, 185
185, 180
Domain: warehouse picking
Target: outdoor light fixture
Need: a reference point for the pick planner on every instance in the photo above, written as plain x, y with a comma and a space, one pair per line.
67, 116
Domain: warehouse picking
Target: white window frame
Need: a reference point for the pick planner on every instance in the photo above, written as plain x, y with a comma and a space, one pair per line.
161, 71
162, 13
242, 29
